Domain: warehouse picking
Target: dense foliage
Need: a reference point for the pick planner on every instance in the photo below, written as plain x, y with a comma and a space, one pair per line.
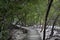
27, 11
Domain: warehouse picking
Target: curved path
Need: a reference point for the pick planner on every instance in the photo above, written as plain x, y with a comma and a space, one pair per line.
32, 34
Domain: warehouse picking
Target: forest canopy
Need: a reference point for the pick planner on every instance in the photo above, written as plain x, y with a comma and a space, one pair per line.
28, 12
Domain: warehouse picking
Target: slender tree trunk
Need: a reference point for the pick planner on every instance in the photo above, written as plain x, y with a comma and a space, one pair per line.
46, 19
52, 30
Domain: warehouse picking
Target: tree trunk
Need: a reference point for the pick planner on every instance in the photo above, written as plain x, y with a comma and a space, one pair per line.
46, 19
52, 30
